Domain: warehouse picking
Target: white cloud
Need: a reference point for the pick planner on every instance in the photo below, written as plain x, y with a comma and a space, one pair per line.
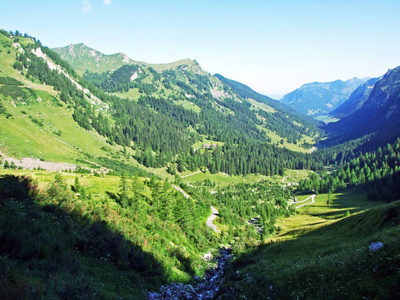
107, 2
87, 7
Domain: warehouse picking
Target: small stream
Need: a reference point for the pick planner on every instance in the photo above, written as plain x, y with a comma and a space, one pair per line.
205, 288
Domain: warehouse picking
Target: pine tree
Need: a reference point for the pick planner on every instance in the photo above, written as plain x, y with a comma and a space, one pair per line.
6, 164
123, 187
329, 198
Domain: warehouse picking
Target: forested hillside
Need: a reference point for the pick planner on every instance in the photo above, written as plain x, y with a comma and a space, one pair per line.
214, 112
376, 171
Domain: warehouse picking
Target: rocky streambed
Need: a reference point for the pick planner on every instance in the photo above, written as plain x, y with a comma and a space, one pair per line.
205, 288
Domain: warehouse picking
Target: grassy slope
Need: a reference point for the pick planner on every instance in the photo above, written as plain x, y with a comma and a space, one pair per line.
322, 254
275, 139
7, 60
20, 137
224, 179
57, 267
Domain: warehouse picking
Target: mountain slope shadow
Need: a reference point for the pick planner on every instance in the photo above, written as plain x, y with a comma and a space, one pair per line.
50, 250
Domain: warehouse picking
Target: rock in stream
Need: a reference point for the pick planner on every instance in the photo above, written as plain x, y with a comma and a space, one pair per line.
205, 288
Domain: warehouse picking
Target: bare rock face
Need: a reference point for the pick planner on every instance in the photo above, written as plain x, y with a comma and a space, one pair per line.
206, 288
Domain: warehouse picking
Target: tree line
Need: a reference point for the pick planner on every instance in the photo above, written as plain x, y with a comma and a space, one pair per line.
377, 172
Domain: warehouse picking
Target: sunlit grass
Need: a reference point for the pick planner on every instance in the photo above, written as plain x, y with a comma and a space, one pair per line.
323, 250
189, 105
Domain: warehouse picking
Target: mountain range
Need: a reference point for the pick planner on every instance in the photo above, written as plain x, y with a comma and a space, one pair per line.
319, 98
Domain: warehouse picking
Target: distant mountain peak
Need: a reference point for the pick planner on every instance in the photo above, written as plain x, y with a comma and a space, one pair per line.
319, 98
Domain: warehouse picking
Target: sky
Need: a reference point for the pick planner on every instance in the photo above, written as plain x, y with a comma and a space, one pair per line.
272, 46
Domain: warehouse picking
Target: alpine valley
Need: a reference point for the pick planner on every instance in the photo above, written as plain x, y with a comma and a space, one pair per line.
121, 179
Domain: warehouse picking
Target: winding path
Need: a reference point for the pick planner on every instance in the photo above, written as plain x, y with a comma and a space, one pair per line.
197, 172
211, 218
312, 197
191, 174
180, 190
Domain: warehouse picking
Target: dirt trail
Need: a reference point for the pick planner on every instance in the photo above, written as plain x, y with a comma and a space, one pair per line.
191, 174
180, 190
312, 197
214, 211
211, 218
33, 163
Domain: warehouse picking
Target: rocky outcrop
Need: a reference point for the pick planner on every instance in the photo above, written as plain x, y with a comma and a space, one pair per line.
205, 288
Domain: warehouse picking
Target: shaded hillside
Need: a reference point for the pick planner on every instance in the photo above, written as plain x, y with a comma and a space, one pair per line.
356, 99
319, 98
131, 235
379, 114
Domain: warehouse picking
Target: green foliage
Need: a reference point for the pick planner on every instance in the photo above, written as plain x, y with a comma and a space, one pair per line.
333, 261
10, 81
377, 172
143, 238
120, 80
48, 236
248, 212
160, 131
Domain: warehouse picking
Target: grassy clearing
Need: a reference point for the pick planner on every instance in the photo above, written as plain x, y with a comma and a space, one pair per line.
23, 138
321, 253
262, 106
206, 141
59, 139
189, 105
224, 179
296, 175
276, 139
350, 200
132, 94
327, 119
312, 216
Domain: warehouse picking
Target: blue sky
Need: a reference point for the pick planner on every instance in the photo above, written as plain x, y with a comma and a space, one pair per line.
272, 46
